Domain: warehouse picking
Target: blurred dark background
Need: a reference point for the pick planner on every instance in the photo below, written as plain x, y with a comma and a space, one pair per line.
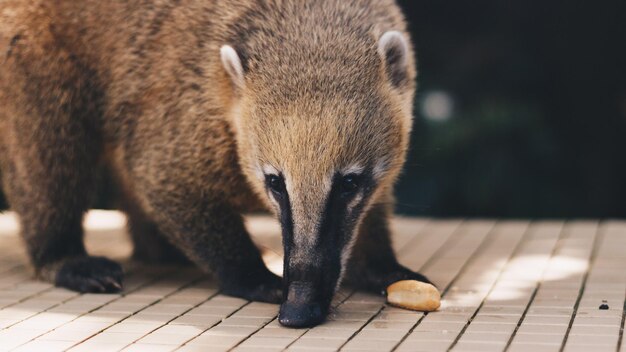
520, 112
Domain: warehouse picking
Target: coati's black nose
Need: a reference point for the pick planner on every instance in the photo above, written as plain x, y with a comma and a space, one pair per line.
302, 308
300, 315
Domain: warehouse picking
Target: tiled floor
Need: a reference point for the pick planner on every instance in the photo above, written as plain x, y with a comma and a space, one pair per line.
507, 285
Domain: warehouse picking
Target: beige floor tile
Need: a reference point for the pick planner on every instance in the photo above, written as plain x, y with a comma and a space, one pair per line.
484, 337
424, 346
380, 334
533, 347
491, 328
369, 345
592, 340
259, 341
256, 349
133, 327
222, 330
542, 329
314, 343
167, 338
547, 320
216, 340
244, 321
598, 321
329, 333
144, 347
594, 330
47, 346
478, 346
202, 322
387, 325
440, 326
588, 348
116, 337
202, 348
431, 336
455, 318
279, 332
489, 318
343, 324
98, 347
555, 339
545, 311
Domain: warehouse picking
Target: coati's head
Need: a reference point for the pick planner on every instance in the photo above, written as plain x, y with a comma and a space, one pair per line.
322, 128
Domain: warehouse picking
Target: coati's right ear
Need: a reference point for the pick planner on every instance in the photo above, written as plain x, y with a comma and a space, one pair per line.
394, 50
232, 65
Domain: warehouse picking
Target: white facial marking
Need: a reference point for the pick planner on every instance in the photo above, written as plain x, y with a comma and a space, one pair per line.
258, 172
270, 170
352, 169
232, 65
380, 168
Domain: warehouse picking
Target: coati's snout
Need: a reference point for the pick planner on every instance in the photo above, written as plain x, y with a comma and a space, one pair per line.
318, 230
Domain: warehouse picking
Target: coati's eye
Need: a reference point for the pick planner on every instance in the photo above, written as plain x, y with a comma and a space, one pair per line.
349, 184
275, 183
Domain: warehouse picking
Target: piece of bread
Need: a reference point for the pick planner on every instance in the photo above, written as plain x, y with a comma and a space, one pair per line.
414, 295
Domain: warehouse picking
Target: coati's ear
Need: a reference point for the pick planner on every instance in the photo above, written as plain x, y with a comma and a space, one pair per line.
232, 65
394, 49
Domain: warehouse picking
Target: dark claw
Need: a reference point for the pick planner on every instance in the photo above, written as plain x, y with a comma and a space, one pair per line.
113, 282
90, 275
91, 285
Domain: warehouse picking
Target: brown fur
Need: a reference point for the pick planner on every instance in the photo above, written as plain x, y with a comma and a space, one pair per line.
138, 87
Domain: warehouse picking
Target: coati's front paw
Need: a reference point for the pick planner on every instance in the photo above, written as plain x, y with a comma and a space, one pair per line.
90, 275
377, 279
261, 287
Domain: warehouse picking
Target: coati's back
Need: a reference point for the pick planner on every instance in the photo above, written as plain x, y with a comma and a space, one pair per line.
134, 45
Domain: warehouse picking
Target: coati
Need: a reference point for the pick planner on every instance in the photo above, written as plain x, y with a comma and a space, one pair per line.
202, 110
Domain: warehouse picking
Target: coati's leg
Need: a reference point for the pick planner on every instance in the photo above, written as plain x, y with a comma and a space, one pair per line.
50, 190
52, 148
212, 235
149, 244
373, 265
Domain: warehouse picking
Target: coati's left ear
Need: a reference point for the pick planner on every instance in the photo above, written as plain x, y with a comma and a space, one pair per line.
394, 50
232, 65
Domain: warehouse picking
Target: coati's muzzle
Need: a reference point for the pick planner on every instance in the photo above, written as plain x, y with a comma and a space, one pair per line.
312, 270
316, 242
309, 286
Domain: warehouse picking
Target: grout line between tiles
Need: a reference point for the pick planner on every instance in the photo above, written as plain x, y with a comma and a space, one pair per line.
92, 310
514, 252
307, 329
599, 236
191, 283
362, 326
557, 245
469, 260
